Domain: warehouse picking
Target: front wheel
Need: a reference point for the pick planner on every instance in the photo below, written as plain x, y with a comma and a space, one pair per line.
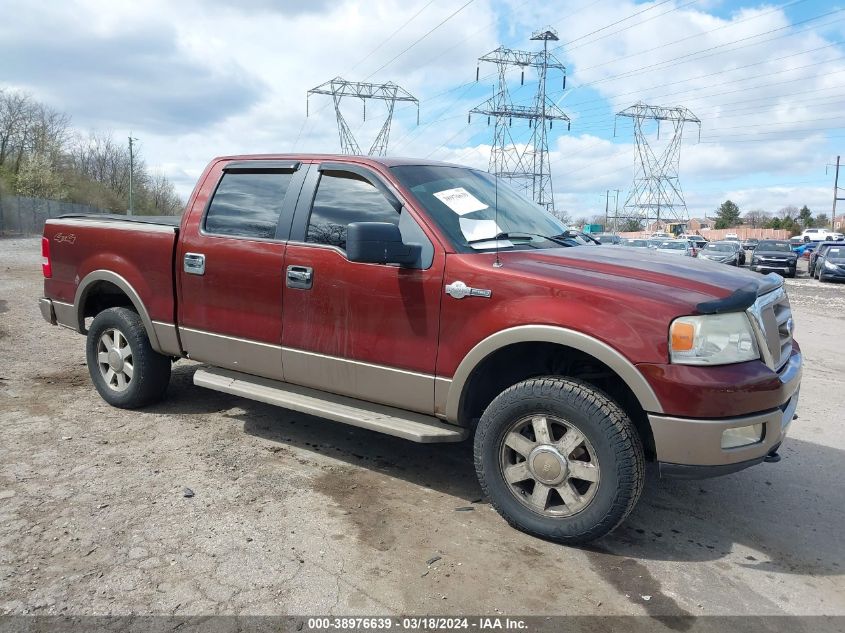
124, 368
559, 460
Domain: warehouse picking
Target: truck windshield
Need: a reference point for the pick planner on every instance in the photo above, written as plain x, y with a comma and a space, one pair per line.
462, 202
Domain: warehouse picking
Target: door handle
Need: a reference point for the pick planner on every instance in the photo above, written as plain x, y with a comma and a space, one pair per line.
194, 263
300, 277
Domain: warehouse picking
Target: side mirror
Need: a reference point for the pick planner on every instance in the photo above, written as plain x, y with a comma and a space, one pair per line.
379, 243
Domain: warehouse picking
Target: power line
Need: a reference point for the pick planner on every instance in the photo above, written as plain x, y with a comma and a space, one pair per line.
420, 39
391, 36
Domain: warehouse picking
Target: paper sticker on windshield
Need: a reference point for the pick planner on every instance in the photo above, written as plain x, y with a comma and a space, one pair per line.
460, 200
482, 233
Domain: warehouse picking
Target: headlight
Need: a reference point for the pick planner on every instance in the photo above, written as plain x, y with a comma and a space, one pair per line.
712, 339
829, 266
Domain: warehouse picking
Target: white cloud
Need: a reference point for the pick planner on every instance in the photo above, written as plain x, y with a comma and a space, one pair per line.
197, 79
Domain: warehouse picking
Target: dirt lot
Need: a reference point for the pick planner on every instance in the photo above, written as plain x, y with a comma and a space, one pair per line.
293, 514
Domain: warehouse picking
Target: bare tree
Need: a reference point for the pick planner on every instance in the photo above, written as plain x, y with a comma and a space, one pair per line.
162, 196
756, 218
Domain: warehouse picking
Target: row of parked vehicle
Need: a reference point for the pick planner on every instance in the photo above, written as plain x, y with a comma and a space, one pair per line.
767, 255
827, 261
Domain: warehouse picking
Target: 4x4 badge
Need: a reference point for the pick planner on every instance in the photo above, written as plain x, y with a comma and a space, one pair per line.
459, 290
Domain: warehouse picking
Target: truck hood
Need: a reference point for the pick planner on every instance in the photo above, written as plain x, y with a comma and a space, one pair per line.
632, 270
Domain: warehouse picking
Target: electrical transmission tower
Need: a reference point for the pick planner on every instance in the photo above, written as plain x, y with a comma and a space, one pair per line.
656, 192
526, 166
389, 92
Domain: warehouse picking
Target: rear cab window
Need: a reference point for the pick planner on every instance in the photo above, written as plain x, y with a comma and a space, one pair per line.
247, 204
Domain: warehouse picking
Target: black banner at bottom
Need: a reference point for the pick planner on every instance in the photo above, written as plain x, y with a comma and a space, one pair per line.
374, 624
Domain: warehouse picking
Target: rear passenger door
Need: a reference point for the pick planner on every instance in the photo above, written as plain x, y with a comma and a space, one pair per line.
367, 331
230, 264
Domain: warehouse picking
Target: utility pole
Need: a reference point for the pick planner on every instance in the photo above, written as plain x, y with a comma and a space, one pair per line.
835, 193
131, 169
606, 209
525, 164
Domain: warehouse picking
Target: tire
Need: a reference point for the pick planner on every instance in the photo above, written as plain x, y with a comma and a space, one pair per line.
610, 446
146, 374
791, 273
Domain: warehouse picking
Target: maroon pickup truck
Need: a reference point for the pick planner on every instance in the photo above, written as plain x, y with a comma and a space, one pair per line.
427, 301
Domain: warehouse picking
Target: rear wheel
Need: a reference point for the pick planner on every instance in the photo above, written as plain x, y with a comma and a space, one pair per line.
124, 368
559, 460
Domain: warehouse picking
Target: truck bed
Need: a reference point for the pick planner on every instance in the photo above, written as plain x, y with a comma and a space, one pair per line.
139, 249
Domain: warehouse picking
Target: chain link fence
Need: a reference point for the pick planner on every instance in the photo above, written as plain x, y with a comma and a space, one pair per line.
26, 216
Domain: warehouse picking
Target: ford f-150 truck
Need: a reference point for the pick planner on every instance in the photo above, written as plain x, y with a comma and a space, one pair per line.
431, 302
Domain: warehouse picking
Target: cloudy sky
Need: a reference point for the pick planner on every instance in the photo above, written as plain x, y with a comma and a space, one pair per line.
199, 78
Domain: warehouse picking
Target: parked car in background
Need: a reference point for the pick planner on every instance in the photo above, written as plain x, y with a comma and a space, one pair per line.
816, 235
635, 242
694, 246
579, 237
660, 235
730, 237
740, 251
837, 237
676, 247
797, 242
750, 243
830, 266
607, 238
722, 252
774, 256
815, 255
698, 240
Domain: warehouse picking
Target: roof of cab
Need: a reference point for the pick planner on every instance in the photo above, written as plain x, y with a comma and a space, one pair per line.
386, 161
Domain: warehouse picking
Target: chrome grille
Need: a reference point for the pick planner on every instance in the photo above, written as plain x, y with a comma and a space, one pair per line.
772, 318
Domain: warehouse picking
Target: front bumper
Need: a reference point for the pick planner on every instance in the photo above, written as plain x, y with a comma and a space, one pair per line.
832, 274
692, 447
773, 268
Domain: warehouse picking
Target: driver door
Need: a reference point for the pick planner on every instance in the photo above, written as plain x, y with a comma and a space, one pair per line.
368, 331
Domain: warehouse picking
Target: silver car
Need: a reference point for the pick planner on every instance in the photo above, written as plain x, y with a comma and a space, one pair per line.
677, 247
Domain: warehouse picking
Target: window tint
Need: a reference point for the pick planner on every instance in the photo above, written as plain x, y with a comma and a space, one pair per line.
248, 204
343, 197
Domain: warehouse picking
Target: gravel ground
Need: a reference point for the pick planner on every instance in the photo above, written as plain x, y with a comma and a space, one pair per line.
294, 514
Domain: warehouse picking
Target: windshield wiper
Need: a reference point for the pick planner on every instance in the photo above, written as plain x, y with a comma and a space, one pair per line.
557, 239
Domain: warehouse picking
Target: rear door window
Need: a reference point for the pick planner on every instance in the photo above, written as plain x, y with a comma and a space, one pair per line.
248, 204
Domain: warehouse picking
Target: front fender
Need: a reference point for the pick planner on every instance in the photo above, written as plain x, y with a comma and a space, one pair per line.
600, 350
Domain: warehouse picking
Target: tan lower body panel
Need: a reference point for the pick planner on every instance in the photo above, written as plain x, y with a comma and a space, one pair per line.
168, 341
251, 357
400, 423
695, 442
387, 385
66, 315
